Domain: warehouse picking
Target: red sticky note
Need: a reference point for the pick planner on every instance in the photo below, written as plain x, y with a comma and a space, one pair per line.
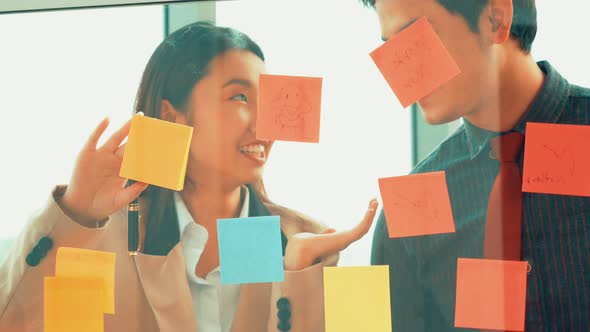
557, 159
415, 62
417, 204
491, 294
289, 108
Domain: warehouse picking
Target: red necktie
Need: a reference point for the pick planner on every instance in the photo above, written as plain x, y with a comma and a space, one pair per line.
504, 217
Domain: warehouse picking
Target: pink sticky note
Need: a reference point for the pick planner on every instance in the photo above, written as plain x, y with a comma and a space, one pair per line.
415, 62
289, 108
491, 294
417, 204
557, 159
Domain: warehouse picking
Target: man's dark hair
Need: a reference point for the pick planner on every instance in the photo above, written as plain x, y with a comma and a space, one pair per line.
524, 23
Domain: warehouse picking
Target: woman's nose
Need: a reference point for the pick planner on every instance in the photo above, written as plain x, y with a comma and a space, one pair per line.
253, 119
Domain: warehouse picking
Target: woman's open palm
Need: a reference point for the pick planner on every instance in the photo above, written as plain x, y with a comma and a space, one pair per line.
304, 248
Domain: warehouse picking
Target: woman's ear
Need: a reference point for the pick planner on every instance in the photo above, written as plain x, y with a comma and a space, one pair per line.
170, 114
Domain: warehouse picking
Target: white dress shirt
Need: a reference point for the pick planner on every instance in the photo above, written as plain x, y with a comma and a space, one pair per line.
214, 304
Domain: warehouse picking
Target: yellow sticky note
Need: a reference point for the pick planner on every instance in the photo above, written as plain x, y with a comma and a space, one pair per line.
73, 304
156, 152
75, 262
357, 299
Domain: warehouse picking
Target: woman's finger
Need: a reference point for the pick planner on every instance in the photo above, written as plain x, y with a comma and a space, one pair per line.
363, 227
96, 134
128, 194
120, 151
115, 140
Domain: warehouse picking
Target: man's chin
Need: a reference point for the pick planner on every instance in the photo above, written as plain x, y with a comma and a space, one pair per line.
435, 121
437, 116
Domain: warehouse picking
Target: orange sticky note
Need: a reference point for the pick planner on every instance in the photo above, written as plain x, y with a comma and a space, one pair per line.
75, 262
156, 152
289, 108
417, 204
491, 294
357, 299
415, 62
557, 159
73, 304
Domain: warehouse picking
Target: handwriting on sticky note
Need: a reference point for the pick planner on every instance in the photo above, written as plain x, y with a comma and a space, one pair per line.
415, 62
417, 204
556, 159
76, 262
491, 294
156, 152
250, 250
357, 299
73, 304
289, 108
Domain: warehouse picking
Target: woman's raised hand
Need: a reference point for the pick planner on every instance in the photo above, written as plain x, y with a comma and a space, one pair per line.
95, 190
303, 249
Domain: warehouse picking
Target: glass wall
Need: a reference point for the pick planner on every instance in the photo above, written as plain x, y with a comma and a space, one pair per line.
61, 73
364, 134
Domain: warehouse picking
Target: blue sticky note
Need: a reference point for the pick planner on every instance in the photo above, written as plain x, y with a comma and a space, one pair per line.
250, 250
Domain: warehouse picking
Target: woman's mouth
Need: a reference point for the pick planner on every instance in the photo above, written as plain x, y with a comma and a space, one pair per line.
256, 152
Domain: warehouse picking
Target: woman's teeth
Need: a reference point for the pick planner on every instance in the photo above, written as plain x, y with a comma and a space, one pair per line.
252, 148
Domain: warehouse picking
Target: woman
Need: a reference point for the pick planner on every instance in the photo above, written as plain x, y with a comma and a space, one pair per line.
205, 77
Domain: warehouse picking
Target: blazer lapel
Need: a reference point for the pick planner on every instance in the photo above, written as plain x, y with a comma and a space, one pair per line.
166, 288
253, 308
257, 209
253, 305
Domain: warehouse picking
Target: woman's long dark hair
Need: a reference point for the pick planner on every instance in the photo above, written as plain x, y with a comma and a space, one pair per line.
178, 63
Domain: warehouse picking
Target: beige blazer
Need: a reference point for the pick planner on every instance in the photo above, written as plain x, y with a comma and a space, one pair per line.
151, 292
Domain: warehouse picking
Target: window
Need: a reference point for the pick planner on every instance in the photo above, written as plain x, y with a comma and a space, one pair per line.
62, 72
561, 39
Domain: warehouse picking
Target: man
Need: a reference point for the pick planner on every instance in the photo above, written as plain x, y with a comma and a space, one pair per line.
499, 90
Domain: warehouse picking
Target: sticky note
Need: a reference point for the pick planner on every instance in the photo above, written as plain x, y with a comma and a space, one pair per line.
556, 159
357, 299
156, 152
417, 204
250, 250
75, 262
73, 304
415, 62
289, 108
491, 294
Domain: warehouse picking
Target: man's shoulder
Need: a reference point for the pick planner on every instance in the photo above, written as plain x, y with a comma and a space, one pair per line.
578, 106
577, 92
439, 158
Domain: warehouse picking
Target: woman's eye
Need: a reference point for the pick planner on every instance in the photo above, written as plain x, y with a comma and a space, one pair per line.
239, 97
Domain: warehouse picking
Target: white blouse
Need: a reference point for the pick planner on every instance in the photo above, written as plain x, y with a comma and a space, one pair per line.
214, 304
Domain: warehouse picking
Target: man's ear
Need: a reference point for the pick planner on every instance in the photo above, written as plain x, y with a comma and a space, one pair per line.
169, 113
500, 14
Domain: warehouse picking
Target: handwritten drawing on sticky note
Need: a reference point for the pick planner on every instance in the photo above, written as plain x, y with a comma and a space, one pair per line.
156, 152
491, 294
417, 204
76, 262
357, 299
556, 159
73, 304
415, 62
250, 250
289, 108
